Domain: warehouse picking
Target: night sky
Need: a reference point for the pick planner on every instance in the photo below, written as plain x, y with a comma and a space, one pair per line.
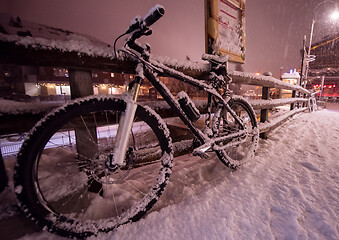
274, 28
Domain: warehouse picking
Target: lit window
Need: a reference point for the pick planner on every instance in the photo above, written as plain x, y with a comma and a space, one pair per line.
112, 75
60, 72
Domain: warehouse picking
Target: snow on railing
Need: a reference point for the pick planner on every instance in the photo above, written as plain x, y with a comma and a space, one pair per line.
19, 108
265, 81
82, 46
271, 124
270, 103
73, 43
200, 69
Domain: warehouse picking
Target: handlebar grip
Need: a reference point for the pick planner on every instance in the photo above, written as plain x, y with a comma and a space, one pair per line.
151, 17
154, 15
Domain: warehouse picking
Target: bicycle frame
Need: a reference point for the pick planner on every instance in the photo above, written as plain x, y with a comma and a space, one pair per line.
126, 122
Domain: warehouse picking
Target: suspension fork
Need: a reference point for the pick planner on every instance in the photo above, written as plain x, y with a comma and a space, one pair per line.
127, 118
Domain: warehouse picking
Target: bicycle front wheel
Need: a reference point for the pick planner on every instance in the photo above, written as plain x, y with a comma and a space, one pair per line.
239, 150
64, 182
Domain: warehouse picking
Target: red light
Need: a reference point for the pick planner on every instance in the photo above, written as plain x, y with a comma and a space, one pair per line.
333, 85
324, 86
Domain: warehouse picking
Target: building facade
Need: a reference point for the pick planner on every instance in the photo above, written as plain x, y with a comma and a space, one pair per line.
326, 64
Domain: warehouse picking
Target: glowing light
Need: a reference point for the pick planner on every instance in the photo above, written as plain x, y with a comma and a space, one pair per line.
257, 73
335, 15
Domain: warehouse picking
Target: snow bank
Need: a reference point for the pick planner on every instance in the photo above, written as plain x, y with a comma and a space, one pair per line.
289, 191
15, 107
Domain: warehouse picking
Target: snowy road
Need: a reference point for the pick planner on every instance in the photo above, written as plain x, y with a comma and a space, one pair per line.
289, 191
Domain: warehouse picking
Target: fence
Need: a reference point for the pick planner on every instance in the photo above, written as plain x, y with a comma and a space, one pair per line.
8, 149
264, 105
299, 95
14, 52
10, 121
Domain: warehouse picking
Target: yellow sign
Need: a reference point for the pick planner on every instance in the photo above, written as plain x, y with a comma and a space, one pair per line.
225, 28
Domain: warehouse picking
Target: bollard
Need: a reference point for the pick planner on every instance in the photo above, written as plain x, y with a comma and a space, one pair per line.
264, 112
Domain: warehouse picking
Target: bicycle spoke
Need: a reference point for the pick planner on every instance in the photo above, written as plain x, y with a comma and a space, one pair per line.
71, 175
89, 133
135, 188
115, 205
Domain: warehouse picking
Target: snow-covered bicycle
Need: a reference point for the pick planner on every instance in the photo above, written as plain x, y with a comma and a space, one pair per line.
100, 162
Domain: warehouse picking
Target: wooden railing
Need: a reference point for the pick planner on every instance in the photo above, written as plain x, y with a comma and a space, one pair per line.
14, 52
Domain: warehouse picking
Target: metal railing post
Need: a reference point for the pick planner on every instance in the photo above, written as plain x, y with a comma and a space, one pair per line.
264, 112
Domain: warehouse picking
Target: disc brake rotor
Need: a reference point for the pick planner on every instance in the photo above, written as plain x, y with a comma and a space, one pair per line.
105, 173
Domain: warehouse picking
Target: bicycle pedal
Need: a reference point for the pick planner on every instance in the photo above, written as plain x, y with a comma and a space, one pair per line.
200, 154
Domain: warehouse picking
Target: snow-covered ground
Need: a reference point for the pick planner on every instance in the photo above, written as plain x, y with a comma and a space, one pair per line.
289, 191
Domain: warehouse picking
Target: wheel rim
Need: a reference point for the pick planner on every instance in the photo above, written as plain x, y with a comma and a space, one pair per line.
80, 188
240, 149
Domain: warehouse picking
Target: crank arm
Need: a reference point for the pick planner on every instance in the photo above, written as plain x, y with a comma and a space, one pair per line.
227, 145
237, 134
201, 151
211, 144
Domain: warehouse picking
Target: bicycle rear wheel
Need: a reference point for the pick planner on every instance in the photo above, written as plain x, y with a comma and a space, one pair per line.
241, 149
62, 179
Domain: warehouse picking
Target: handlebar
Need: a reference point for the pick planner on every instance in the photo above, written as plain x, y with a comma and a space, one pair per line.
154, 15
151, 17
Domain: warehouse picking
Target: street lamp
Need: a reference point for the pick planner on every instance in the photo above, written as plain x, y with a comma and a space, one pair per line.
334, 16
